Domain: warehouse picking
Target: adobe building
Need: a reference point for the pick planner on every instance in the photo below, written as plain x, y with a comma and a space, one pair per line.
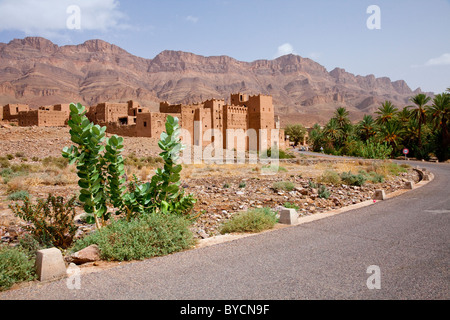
11, 111
245, 115
46, 116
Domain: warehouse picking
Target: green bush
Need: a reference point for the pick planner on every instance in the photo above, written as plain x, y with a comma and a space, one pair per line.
281, 154
353, 179
15, 266
289, 205
324, 193
283, 185
51, 220
18, 195
140, 238
242, 185
253, 220
331, 177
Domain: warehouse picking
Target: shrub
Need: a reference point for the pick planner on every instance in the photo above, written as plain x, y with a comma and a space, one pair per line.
283, 185
101, 171
18, 195
20, 154
4, 163
59, 162
140, 238
289, 205
242, 185
51, 221
253, 220
331, 177
226, 186
9, 156
15, 266
324, 193
281, 154
353, 179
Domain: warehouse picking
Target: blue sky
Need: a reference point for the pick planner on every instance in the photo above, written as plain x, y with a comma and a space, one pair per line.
413, 42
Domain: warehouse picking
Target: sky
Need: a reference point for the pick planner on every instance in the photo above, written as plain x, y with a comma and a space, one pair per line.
400, 39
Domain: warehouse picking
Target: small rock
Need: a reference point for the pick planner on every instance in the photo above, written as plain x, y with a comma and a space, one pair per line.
88, 254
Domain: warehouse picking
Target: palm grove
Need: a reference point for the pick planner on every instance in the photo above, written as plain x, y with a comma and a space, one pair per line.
422, 127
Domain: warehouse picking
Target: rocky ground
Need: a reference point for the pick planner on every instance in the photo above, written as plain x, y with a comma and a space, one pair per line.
221, 190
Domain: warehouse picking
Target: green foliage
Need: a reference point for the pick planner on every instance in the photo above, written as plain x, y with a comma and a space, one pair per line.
140, 238
253, 220
15, 266
370, 149
331, 177
101, 170
281, 154
296, 133
51, 220
353, 179
289, 205
226, 186
242, 185
283, 185
18, 195
323, 192
90, 162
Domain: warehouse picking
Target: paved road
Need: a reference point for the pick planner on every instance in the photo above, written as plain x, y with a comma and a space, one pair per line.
407, 237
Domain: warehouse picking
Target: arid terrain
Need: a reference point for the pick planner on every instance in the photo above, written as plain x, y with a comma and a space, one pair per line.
221, 190
37, 72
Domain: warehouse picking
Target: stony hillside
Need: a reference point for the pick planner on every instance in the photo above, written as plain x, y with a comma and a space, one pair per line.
37, 72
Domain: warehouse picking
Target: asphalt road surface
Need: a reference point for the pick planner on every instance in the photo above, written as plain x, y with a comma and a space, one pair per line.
393, 249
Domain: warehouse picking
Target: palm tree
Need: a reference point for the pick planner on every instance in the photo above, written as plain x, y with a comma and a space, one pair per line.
420, 100
404, 116
316, 137
332, 130
391, 133
386, 113
439, 112
341, 116
366, 127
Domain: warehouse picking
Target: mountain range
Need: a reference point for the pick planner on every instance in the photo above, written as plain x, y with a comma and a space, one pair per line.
37, 72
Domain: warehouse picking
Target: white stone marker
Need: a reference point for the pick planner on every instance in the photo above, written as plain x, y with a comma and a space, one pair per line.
379, 195
50, 264
288, 216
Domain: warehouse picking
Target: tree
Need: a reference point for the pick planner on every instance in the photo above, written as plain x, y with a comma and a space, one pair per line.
296, 133
332, 131
391, 133
439, 112
366, 128
341, 115
420, 100
386, 113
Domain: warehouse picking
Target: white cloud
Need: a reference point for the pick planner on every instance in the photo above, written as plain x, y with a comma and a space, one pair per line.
285, 49
49, 17
192, 19
439, 61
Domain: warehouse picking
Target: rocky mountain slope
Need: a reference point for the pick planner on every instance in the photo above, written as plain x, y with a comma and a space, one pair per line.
38, 72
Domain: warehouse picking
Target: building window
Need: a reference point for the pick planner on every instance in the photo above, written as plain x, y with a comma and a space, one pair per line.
145, 123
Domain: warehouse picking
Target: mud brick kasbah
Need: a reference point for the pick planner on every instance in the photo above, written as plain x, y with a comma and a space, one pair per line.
205, 121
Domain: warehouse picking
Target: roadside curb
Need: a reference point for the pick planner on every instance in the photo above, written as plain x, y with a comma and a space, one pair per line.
317, 216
